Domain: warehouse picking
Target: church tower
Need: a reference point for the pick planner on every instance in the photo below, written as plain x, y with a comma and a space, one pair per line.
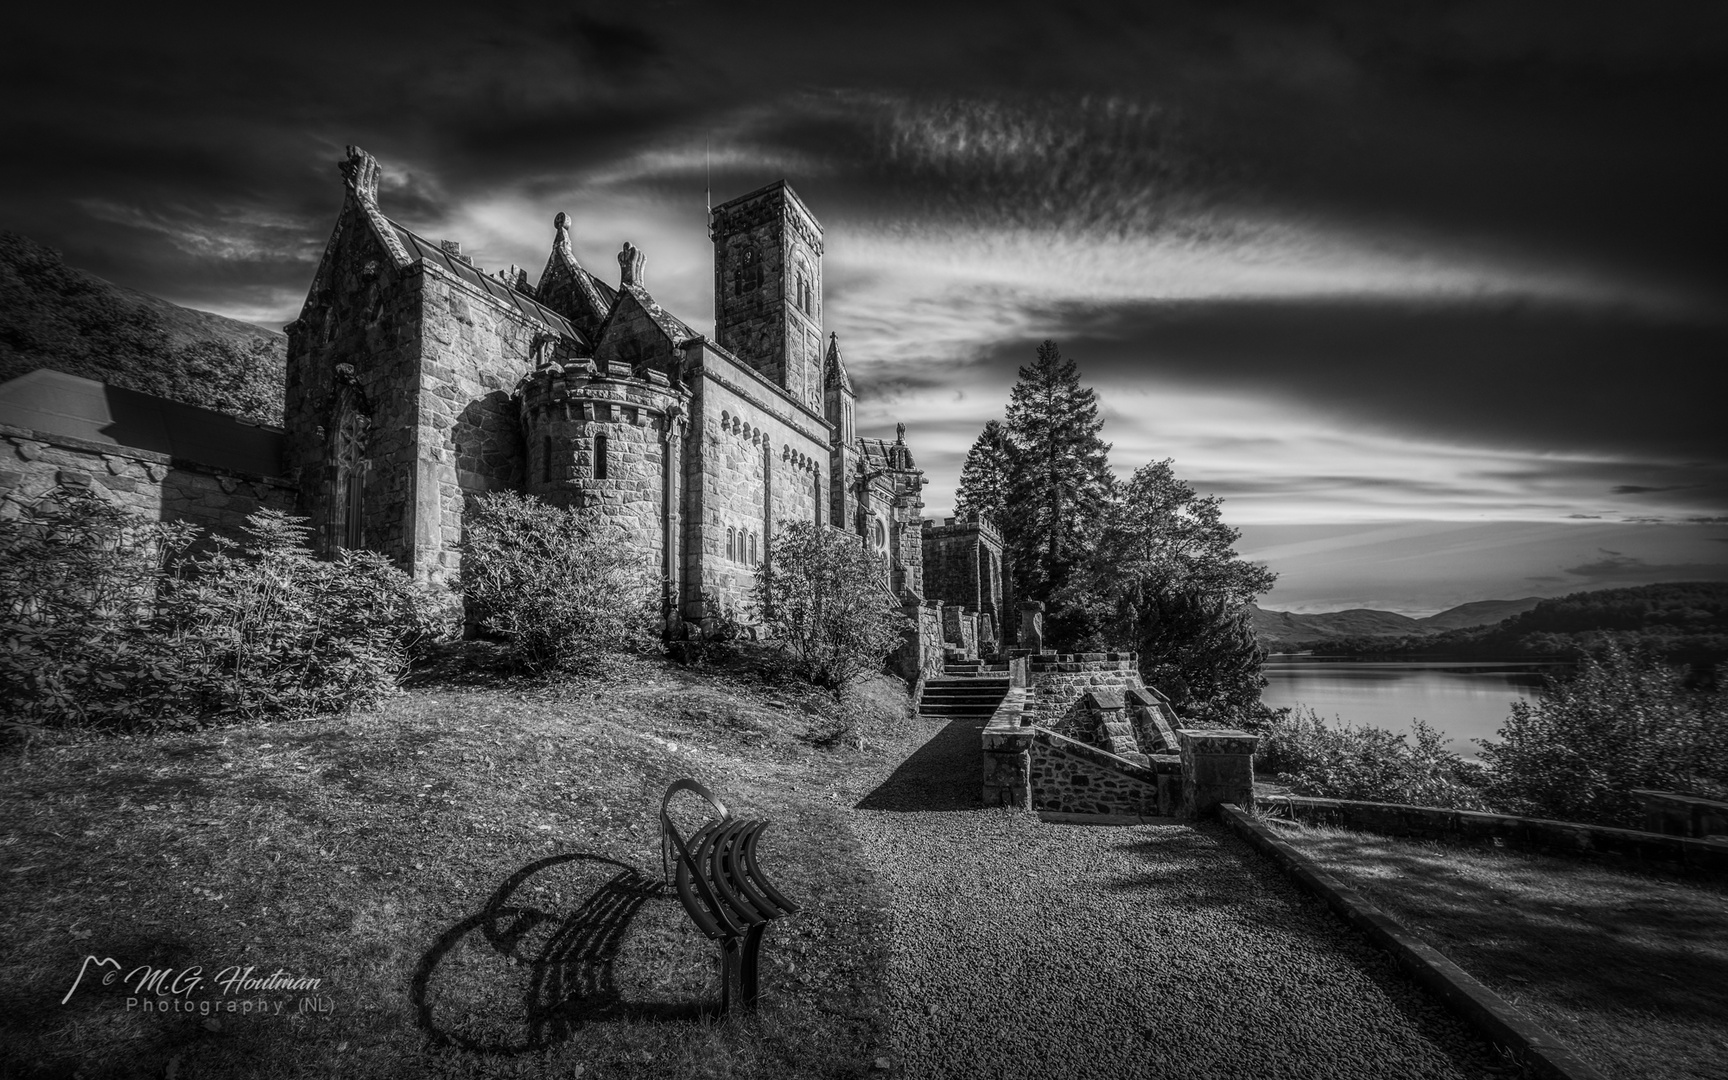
768, 288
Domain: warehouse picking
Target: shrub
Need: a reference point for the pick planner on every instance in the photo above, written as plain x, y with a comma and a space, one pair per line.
561, 595
109, 621
820, 599
81, 585
262, 628
1622, 721
1341, 761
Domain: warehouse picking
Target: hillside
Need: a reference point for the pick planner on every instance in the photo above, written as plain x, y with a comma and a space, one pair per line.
1685, 622
1284, 629
56, 316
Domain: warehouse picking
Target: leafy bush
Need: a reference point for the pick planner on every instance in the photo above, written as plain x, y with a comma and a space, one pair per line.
110, 620
1622, 721
1341, 761
81, 585
560, 595
820, 599
261, 628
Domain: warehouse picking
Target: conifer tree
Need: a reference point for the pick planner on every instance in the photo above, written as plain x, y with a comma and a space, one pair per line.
984, 477
1059, 482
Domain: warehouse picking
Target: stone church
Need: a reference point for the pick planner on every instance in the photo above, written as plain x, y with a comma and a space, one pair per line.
416, 379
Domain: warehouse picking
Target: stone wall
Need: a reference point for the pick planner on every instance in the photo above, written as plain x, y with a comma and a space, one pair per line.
1070, 777
566, 410
154, 485
963, 566
920, 654
753, 460
1058, 682
469, 431
363, 311
761, 242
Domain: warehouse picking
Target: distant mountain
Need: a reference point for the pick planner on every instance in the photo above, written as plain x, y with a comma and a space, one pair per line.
56, 316
1685, 623
1284, 629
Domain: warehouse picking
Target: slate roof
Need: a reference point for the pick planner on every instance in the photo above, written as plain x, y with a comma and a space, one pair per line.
56, 403
534, 311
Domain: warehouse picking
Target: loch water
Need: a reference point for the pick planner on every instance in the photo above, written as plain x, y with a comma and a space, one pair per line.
1465, 699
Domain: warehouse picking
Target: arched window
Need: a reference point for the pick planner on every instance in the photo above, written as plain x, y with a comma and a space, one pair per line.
347, 514
754, 561
816, 496
731, 544
599, 457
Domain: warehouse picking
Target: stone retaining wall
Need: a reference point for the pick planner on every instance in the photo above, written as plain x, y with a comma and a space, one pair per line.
1395, 819
1674, 814
1070, 777
157, 486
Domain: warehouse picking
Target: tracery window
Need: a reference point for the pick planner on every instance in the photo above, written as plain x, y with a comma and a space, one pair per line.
347, 517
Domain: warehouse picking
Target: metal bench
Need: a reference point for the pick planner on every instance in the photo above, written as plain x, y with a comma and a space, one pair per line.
722, 888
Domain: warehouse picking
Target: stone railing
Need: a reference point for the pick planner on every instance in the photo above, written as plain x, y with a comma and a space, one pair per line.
1674, 814
1428, 822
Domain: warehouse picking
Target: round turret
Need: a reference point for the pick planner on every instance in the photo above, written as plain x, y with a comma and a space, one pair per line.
605, 440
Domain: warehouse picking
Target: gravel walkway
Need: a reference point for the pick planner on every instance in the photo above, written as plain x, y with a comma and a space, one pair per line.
1022, 949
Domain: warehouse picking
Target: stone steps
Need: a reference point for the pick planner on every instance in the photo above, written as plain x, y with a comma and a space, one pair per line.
960, 694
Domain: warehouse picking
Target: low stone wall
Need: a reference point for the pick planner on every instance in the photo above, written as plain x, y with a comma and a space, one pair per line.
1395, 819
1070, 777
1059, 681
1006, 743
155, 485
1673, 814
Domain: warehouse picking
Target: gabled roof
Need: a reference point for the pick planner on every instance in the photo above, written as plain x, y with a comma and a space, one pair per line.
673, 327
419, 248
567, 284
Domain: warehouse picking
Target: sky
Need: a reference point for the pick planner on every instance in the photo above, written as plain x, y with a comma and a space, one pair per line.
1432, 295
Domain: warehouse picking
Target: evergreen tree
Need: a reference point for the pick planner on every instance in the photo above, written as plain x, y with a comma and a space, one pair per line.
984, 477
1059, 482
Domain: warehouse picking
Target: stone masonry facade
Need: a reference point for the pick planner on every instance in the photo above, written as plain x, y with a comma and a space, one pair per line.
416, 381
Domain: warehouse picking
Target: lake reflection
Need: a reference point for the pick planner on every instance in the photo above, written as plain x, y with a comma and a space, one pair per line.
1465, 700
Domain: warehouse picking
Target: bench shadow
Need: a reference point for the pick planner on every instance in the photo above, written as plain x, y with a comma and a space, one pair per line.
513, 978
943, 774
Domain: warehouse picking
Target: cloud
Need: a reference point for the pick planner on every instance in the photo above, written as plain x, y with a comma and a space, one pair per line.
1628, 569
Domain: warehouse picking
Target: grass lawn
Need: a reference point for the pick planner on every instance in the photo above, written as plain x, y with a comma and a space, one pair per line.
1626, 963
471, 872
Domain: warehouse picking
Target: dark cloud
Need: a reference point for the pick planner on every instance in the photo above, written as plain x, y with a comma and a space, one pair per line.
1541, 376
1619, 567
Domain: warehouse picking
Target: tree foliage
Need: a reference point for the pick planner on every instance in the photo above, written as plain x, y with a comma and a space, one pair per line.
820, 598
561, 595
1059, 484
54, 316
1164, 580
1342, 761
1623, 720
984, 477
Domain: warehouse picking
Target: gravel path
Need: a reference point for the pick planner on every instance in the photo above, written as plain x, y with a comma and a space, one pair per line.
1021, 949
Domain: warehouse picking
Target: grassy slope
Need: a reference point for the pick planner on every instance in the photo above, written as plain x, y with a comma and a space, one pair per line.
1629, 965
469, 870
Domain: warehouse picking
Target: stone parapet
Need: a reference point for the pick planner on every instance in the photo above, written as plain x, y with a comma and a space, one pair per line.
1067, 776
1217, 768
1428, 822
1006, 742
1674, 814
1059, 681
